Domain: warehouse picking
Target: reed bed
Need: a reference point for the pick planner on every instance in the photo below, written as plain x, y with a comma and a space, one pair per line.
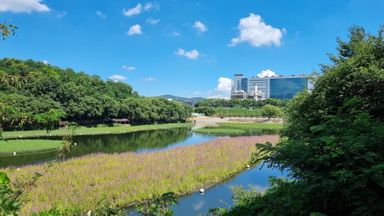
128, 178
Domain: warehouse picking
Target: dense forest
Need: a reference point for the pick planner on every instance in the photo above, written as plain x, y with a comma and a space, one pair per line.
33, 93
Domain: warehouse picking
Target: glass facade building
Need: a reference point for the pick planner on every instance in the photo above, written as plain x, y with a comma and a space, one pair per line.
244, 84
287, 87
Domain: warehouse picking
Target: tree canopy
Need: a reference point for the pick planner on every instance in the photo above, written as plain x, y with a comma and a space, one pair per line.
30, 90
333, 140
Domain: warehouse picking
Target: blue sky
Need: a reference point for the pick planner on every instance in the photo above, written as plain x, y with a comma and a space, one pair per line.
183, 47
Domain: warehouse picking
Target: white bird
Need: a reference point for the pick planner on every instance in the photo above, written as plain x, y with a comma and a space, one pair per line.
14, 153
89, 213
248, 166
202, 190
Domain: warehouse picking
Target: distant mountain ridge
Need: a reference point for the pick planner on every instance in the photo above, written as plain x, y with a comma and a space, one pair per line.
188, 100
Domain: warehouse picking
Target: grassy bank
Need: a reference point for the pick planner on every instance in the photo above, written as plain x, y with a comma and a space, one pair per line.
22, 146
91, 130
129, 178
230, 128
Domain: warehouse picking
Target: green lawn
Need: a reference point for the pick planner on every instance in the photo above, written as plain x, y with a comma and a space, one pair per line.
91, 130
237, 125
233, 128
219, 130
17, 146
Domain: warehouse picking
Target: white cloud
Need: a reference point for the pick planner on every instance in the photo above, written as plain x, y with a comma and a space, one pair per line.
200, 26
101, 14
176, 34
139, 8
219, 96
254, 30
224, 84
192, 54
149, 79
135, 30
266, 73
26, 6
152, 21
128, 68
133, 11
45, 62
117, 78
151, 5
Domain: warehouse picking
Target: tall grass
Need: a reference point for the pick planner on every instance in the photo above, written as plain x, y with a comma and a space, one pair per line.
128, 178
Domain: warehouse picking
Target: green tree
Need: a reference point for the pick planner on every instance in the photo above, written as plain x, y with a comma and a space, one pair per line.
7, 30
50, 119
270, 111
333, 145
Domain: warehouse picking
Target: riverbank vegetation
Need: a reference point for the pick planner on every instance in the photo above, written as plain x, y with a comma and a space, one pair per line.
265, 111
103, 129
240, 108
333, 145
233, 128
241, 103
129, 178
34, 95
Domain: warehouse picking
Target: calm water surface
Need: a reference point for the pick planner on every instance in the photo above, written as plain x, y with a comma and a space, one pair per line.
220, 195
141, 141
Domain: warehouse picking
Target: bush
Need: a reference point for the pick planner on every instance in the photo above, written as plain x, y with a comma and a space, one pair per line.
333, 145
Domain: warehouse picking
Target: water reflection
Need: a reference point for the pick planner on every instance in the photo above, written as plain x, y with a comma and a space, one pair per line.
220, 196
141, 141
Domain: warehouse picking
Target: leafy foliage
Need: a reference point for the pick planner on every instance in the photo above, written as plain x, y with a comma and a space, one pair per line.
9, 205
159, 206
208, 111
37, 95
333, 145
238, 103
270, 111
7, 30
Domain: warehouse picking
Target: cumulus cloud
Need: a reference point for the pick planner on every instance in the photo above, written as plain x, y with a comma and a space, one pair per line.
255, 31
139, 8
117, 78
128, 68
224, 84
152, 21
23, 6
192, 54
135, 30
101, 14
266, 73
199, 26
149, 79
